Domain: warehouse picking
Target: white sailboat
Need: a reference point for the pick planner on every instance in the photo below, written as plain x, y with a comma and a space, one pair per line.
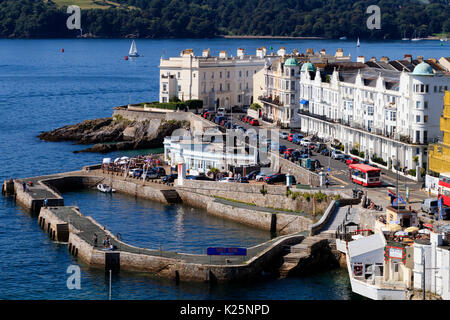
416, 39
357, 43
404, 37
133, 50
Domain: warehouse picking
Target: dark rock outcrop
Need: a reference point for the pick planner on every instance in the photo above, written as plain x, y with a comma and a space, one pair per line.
110, 134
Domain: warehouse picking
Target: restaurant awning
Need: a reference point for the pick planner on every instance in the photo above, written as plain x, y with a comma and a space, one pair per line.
303, 101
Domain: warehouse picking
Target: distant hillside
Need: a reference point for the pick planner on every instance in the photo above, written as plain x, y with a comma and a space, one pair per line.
209, 18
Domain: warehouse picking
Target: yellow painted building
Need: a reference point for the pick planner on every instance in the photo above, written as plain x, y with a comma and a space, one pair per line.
439, 153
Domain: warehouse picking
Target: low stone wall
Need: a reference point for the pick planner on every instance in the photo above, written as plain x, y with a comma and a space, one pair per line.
302, 175
251, 193
282, 223
315, 228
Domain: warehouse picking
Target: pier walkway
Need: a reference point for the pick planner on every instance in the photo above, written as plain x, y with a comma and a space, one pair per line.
87, 227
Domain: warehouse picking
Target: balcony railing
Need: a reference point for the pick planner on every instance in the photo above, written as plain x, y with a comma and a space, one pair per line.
355, 125
270, 100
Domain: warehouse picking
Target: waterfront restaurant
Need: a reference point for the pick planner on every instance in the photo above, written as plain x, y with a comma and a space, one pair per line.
201, 155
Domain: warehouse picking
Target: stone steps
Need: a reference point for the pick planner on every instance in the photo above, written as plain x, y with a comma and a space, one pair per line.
300, 252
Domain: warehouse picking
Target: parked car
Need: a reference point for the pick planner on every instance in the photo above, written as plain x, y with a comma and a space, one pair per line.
289, 151
284, 135
290, 137
277, 177
296, 138
430, 206
345, 158
336, 154
199, 177
446, 214
169, 178
227, 179
135, 173
352, 160
305, 142
252, 175
260, 176
242, 180
221, 112
160, 170
254, 122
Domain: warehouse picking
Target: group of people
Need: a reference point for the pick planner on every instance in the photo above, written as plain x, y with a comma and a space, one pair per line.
107, 245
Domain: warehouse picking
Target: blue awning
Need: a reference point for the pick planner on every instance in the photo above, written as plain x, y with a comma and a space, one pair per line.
303, 101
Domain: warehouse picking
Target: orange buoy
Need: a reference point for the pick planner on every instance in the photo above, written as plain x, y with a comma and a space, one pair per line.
126, 57
62, 49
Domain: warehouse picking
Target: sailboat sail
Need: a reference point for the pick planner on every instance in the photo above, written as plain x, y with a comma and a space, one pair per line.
133, 50
357, 43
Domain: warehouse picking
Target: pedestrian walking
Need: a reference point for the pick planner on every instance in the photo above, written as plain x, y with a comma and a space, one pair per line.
95, 239
45, 202
327, 182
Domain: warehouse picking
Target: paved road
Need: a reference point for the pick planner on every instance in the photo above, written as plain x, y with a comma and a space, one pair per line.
340, 176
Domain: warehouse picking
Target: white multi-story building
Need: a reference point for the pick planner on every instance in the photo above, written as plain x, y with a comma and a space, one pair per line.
388, 109
220, 81
433, 257
280, 87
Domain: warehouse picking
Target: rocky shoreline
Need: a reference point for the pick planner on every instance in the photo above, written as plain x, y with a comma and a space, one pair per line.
112, 134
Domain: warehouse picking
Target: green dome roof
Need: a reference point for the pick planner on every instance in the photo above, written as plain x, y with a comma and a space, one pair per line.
291, 62
423, 69
308, 67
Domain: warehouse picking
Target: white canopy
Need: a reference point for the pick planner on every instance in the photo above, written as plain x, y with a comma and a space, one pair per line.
106, 160
124, 158
116, 160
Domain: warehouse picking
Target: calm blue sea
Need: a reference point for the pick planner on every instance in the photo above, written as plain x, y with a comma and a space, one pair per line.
42, 88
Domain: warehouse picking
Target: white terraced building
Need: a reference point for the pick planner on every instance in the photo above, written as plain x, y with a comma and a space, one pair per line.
220, 81
278, 83
390, 109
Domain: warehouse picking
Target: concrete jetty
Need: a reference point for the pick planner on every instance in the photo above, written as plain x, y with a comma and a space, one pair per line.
67, 224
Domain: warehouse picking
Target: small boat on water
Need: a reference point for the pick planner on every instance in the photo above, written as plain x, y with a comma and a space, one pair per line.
357, 43
133, 50
416, 38
343, 38
404, 37
105, 188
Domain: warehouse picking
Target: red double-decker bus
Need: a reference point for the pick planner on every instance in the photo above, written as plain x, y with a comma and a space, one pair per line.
365, 175
444, 188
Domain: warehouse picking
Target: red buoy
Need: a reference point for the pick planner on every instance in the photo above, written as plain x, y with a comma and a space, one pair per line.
126, 57
62, 49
